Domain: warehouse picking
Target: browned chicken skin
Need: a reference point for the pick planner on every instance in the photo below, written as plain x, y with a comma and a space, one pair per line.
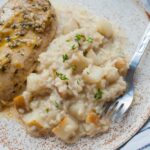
26, 29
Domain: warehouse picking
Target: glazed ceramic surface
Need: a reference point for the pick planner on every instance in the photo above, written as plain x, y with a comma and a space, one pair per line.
132, 19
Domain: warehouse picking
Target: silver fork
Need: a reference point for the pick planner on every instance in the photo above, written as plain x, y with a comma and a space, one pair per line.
117, 110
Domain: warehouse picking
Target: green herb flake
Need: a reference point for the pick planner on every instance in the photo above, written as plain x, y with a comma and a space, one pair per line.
8, 39
73, 47
47, 110
14, 26
14, 44
74, 68
56, 104
90, 39
98, 94
61, 76
65, 57
68, 40
78, 37
78, 81
88, 72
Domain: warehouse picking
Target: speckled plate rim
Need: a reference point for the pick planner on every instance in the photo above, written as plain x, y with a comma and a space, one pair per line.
134, 134
113, 144
145, 120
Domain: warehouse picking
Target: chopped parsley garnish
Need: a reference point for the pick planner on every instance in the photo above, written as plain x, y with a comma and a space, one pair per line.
68, 40
65, 57
78, 37
74, 68
47, 110
90, 39
61, 76
14, 26
8, 39
14, 44
78, 81
73, 47
98, 94
87, 72
56, 104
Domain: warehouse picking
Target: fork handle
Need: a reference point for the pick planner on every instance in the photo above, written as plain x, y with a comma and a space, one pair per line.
140, 49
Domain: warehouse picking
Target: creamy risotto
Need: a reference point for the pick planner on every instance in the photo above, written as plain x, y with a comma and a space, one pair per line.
82, 70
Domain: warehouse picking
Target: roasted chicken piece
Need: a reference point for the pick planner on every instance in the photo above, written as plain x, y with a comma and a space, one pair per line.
26, 29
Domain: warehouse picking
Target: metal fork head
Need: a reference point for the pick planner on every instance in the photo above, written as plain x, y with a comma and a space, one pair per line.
117, 110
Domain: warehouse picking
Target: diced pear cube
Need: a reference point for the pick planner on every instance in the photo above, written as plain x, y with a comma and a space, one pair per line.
33, 119
105, 28
78, 110
66, 129
92, 55
93, 74
93, 118
35, 123
122, 66
112, 75
80, 61
19, 103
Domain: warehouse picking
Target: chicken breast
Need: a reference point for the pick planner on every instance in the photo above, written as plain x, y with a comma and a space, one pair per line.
26, 29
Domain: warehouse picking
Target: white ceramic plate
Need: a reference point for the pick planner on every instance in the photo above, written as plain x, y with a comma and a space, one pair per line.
131, 18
